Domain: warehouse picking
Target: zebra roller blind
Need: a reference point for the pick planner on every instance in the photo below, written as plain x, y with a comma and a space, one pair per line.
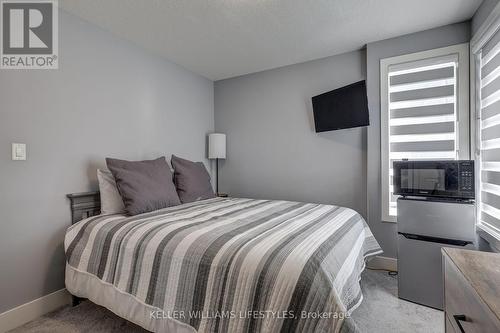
422, 120
488, 135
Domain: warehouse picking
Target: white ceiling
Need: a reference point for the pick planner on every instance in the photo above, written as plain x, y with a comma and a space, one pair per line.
224, 38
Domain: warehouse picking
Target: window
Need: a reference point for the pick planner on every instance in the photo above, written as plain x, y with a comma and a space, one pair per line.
487, 119
424, 111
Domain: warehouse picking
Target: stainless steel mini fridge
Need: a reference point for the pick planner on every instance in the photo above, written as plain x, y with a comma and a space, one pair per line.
424, 227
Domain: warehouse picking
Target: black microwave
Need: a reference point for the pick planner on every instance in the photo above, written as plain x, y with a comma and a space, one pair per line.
440, 179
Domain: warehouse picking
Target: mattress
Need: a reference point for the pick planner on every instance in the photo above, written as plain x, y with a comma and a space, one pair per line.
224, 265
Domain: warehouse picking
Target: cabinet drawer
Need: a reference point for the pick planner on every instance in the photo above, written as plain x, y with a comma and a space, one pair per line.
462, 299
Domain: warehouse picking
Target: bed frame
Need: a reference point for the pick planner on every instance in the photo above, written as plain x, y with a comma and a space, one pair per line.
83, 205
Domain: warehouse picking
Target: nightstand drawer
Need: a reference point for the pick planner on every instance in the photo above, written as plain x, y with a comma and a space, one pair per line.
449, 326
465, 311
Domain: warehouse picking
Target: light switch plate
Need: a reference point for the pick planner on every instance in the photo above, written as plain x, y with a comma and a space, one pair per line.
18, 151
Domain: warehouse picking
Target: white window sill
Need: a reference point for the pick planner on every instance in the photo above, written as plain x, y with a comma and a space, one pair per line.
490, 236
389, 219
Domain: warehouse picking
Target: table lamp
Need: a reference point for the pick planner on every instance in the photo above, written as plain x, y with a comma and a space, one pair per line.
217, 150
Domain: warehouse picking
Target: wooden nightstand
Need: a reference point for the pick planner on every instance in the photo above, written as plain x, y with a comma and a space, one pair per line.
471, 291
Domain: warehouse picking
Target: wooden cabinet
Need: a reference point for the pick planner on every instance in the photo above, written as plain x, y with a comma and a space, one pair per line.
471, 291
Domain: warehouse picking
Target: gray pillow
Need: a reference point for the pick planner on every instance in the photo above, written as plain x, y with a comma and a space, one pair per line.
144, 186
111, 201
192, 180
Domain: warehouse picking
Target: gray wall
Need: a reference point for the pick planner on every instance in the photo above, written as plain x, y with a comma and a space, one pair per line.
481, 14
272, 149
425, 40
107, 98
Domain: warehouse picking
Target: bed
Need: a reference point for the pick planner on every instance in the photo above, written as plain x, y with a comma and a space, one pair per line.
222, 265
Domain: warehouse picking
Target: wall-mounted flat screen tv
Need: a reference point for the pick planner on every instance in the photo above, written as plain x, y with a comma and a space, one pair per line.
344, 107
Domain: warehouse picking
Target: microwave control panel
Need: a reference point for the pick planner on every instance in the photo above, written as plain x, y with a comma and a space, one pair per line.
466, 177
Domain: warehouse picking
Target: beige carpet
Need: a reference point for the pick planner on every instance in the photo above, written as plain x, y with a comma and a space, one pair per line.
381, 311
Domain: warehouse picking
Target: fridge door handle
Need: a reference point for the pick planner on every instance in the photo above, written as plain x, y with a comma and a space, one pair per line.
431, 239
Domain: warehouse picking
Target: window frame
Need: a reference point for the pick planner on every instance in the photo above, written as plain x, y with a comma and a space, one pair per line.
485, 32
462, 109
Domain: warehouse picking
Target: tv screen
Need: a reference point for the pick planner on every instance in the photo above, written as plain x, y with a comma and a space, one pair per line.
345, 107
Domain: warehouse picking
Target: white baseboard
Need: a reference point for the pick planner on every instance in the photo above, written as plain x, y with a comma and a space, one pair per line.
27, 312
379, 262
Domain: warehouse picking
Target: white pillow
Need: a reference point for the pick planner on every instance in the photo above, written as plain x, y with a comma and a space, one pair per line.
111, 201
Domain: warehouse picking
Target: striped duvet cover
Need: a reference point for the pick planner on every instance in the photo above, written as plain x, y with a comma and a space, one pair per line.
224, 265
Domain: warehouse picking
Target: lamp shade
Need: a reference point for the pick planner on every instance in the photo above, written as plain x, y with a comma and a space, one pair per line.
216, 145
